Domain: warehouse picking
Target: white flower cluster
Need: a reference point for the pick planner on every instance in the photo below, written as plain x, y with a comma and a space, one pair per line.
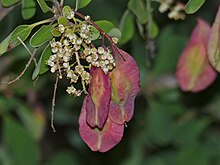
66, 58
72, 49
100, 58
176, 12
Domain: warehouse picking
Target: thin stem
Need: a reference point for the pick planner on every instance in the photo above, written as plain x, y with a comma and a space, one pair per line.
53, 103
61, 3
149, 40
25, 46
83, 82
26, 67
42, 22
77, 3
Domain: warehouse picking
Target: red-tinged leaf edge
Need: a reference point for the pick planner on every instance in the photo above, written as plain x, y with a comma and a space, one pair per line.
194, 73
214, 43
103, 139
125, 81
98, 98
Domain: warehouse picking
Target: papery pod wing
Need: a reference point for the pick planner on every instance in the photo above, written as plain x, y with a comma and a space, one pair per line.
214, 43
194, 73
125, 81
97, 139
98, 98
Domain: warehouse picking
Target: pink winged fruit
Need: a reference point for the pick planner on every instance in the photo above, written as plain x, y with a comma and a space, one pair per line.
194, 73
110, 103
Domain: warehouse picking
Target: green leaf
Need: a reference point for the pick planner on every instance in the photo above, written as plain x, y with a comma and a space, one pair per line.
22, 31
106, 26
19, 143
55, 32
126, 27
66, 11
39, 64
41, 36
28, 9
43, 5
4, 45
193, 5
138, 8
7, 3
45, 56
63, 156
82, 3
94, 33
62, 20
115, 33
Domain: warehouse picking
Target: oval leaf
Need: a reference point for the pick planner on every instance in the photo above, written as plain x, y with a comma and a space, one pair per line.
193, 6
7, 3
42, 67
41, 36
4, 45
194, 73
106, 26
45, 56
62, 20
28, 9
115, 33
126, 27
22, 31
214, 43
103, 139
138, 8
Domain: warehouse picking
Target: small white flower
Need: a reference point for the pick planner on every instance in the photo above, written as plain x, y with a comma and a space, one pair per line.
66, 58
87, 51
115, 40
71, 15
87, 18
101, 50
79, 69
66, 42
61, 28
89, 59
54, 50
79, 41
53, 69
66, 64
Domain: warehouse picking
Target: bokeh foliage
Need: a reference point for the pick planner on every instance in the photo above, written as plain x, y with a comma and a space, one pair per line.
169, 127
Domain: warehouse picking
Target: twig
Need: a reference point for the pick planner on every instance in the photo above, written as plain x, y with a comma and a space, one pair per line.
53, 103
25, 46
79, 64
26, 67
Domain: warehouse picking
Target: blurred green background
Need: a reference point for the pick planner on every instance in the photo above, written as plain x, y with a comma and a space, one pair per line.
169, 127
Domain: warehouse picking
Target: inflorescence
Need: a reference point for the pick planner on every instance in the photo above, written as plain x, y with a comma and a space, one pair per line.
73, 53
